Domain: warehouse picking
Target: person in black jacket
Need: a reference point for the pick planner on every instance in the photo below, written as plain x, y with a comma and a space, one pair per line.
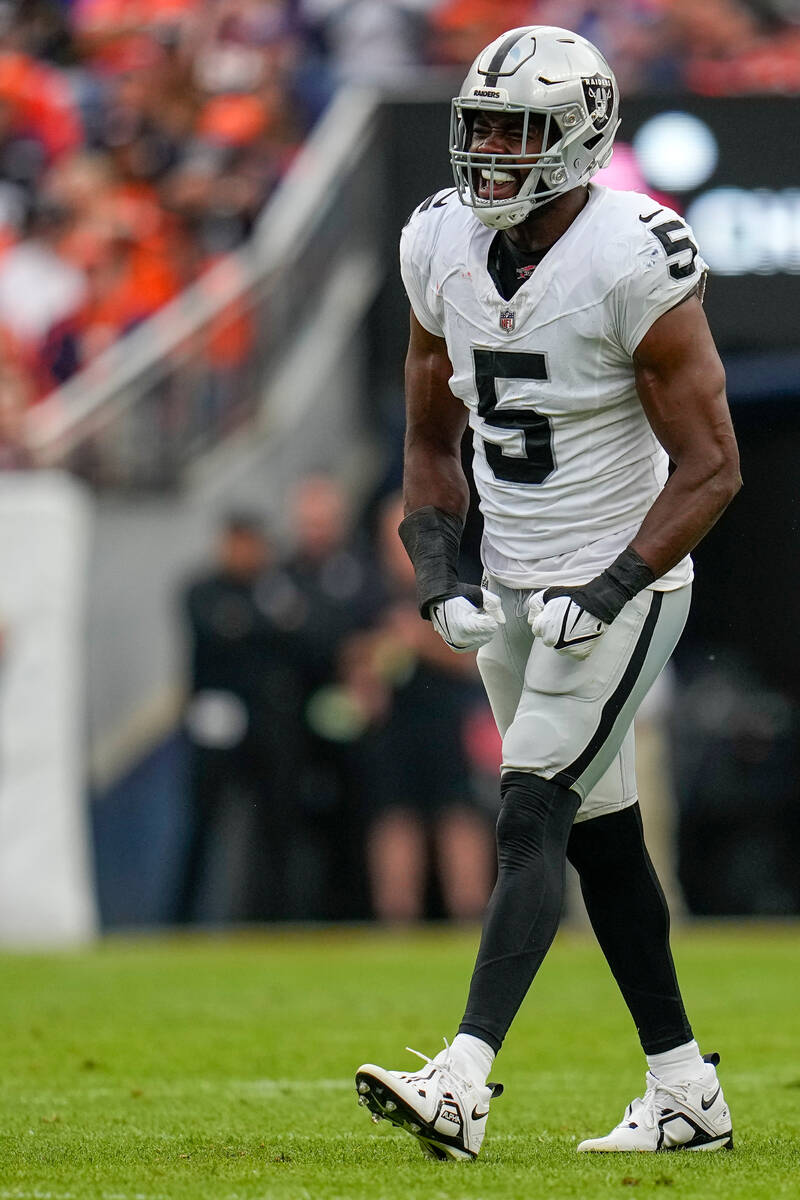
338, 588
243, 720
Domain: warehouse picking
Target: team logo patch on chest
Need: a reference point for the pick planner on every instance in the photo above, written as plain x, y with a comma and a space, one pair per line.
599, 93
508, 319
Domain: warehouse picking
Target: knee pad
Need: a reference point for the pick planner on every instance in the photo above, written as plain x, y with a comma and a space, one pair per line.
533, 808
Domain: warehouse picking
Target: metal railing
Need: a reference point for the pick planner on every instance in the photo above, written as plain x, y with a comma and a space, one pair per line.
198, 371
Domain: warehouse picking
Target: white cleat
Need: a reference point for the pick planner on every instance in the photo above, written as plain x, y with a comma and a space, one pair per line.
684, 1116
444, 1112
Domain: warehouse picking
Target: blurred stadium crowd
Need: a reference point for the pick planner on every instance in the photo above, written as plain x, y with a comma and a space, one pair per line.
140, 138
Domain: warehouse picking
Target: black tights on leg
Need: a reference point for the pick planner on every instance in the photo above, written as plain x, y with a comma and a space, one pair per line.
523, 914
630, 918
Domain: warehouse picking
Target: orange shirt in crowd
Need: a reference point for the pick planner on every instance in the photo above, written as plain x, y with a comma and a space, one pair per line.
40, 102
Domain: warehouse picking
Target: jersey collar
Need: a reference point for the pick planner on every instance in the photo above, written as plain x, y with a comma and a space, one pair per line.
534, 288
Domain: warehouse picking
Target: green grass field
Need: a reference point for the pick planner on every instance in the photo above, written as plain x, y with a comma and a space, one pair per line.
221, 1067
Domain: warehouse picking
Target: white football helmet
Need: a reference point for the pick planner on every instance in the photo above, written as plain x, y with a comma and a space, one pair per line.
547, 72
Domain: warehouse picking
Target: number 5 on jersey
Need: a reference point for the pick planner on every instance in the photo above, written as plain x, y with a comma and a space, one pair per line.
538, 462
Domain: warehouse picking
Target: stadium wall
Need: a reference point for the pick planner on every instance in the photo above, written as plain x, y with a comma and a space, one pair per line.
46, 886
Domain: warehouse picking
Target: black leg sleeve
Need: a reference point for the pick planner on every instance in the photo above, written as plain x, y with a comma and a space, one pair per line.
630, 918
524, 911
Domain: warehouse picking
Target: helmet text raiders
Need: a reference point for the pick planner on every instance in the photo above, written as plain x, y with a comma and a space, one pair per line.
566, 97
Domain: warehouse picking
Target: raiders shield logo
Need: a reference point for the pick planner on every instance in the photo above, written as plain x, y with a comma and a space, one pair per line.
508, 320
599, 93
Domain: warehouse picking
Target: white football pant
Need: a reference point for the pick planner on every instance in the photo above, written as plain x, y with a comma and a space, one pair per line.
571, 721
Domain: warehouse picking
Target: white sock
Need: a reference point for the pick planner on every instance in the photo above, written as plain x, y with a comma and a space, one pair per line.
680, 1065
471, 1057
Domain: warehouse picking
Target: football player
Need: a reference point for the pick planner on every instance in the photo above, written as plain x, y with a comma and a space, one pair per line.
564, 322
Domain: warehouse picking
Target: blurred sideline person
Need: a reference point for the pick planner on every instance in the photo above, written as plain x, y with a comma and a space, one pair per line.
564, 321
656, 775
422, 697
336, 590
243, 722
329, 566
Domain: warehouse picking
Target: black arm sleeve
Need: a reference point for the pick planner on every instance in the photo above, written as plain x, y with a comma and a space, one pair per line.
605, 596
432, 539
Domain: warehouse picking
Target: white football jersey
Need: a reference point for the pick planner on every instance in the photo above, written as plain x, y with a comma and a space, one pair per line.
566, 464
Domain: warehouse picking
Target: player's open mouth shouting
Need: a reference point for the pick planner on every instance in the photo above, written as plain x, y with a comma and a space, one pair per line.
502, 136
497, 184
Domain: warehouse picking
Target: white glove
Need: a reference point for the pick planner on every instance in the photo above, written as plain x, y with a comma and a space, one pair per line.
562, 624
465, 627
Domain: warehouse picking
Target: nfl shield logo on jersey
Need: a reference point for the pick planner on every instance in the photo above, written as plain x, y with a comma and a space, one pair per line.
507, 320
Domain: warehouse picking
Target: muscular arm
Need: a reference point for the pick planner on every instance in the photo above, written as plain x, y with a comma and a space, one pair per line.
435, 422
681, 384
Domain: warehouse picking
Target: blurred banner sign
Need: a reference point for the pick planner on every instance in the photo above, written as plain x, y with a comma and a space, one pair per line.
728, 165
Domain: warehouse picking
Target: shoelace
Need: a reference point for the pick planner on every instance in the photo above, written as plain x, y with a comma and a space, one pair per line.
496, 1089
646, 1112
445, 1066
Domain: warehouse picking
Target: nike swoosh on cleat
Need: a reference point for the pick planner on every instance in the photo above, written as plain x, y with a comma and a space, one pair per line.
476, 1116
706, 1104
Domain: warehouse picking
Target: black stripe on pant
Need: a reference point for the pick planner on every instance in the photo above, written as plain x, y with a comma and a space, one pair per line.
614, 705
